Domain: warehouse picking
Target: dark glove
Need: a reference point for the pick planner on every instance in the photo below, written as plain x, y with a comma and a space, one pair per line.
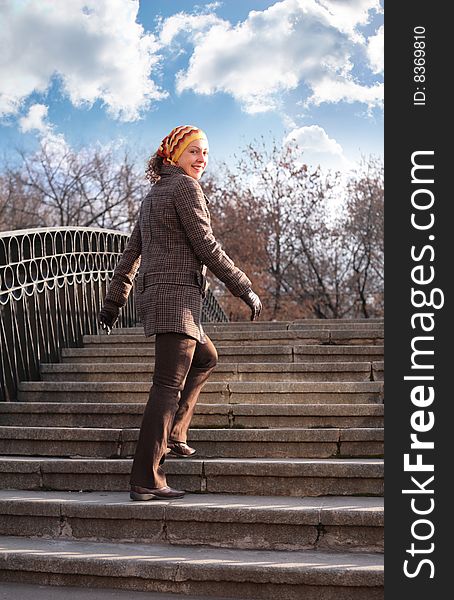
253, 301
108, 315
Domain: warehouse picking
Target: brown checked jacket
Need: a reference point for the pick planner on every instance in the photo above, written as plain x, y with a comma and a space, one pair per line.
171, 246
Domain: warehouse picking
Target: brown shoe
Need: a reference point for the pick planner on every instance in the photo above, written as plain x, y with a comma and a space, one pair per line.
180, 449
164, 493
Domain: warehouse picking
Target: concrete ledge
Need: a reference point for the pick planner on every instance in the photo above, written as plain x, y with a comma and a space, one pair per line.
367, 336
333, 325
235, 392
29, 591
128, 414
264, 477
242, 573
240, 337
210, 443
305, 392
315, 336
285, 508
264, 372
61, 441
337, 353
260, 353
255, 522
146, 354
272, 325
378, 368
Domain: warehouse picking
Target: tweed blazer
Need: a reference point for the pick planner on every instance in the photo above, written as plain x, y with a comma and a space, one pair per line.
170, 247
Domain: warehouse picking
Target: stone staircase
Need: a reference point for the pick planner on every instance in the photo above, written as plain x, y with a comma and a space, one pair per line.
284, 494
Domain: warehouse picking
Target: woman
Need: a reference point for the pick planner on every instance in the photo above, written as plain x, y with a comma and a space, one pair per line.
173, 244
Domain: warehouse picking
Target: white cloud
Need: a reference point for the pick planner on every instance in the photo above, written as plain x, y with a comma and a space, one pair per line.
274, 51
95, 48
376, 50
346, 15
35, 119
331, 89
213, 5
57, 147
317, 148
182, 22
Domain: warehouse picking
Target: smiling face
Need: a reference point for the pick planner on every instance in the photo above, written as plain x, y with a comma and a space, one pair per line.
194, 159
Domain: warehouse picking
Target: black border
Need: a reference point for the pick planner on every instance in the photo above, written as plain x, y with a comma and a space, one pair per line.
410, 128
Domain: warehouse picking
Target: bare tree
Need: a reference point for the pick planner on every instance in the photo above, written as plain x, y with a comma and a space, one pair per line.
272, 214
276, 217
319, 276
19, 208
267, 181
341, 258
67, 188
364, 228
237, 224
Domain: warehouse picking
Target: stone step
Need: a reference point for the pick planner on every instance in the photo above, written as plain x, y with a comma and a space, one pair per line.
27, 591
141, 371
201, 571
296, 336
231, 353
247, 522
273, 326
258, 477
209, 443
235, 392
129, 414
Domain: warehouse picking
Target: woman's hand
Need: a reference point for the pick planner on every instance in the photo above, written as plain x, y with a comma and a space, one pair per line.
108, 315
253, 301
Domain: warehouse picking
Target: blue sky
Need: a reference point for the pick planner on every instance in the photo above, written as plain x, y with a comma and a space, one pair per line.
123, 73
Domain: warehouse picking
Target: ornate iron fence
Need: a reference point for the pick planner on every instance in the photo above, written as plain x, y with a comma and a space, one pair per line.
52, 284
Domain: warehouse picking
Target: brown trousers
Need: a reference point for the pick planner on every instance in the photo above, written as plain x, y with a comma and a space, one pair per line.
182, 366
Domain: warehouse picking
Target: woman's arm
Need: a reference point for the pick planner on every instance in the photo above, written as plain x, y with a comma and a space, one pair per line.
190, 206
126, 268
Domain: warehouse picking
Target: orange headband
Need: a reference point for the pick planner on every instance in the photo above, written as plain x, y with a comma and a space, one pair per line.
174, 144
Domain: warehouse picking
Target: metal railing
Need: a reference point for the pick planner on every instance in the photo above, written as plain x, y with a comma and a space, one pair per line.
212, 311
52, 284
